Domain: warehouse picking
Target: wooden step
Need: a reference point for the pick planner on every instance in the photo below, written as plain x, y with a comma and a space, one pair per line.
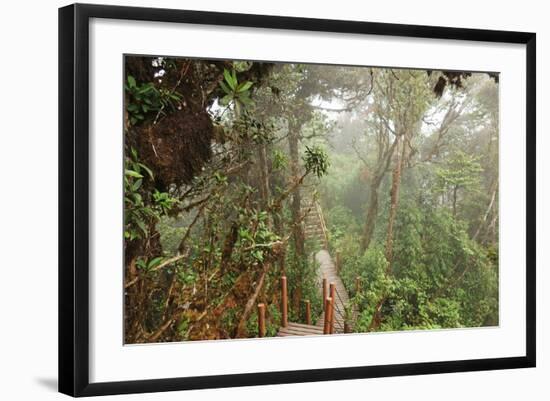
299, 329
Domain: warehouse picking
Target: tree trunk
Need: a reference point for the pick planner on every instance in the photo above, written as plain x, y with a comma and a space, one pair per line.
264, 176
455, 191
394, 201
489, 210
295, 207
241, 327
297, 231
394, 195
372, 212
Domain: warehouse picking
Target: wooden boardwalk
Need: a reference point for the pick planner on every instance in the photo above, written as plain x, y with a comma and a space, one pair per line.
315, 229
327, 269
299, 329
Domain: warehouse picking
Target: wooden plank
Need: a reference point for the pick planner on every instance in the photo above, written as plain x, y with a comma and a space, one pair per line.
301, 325
299, 330
301, 333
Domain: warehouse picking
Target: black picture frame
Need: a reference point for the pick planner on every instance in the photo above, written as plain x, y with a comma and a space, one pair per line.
74, 198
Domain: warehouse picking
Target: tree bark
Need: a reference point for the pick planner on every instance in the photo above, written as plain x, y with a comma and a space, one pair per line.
455, 192
241, 327
394, 200
295, 207
489, 210
372, 211
296, 198
264, 176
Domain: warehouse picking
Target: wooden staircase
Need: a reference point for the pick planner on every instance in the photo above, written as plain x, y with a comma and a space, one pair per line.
328, 271
299, 329
315, 229
314, 222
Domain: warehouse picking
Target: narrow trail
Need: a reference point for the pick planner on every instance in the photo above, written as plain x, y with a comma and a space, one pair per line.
315, 229
327, 269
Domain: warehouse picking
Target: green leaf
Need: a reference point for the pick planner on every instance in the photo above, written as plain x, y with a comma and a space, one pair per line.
244, 99
229, 79
141, 224
225, 100
154, 262
137, 198
146, 89
147, 169
134, 153
175, 96
225, 88
131, 81
132, 173
244, 86
136, 185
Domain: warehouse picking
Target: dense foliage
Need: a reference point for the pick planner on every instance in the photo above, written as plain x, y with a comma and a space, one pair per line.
224, 158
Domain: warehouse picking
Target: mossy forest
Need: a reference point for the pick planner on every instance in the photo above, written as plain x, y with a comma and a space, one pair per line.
277, 199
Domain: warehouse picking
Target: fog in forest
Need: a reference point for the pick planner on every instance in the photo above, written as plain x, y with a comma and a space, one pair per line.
269, 199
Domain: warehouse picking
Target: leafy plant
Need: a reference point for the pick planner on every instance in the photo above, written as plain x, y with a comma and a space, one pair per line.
235, 93
146, 97
149, 265
164, 201
316, 160
142, 208
279, 160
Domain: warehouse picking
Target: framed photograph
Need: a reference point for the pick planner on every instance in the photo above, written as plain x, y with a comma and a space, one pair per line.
251, 199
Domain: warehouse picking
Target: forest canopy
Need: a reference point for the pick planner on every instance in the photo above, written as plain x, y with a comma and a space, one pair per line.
245, 177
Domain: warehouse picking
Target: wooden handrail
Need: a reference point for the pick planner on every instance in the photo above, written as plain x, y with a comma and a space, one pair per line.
323, 223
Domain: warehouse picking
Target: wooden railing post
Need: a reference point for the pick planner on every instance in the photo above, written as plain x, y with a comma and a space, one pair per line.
357, 284
261, 320
328, 315
333, 297
325, 290
284, 302
338, 262
308, 312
